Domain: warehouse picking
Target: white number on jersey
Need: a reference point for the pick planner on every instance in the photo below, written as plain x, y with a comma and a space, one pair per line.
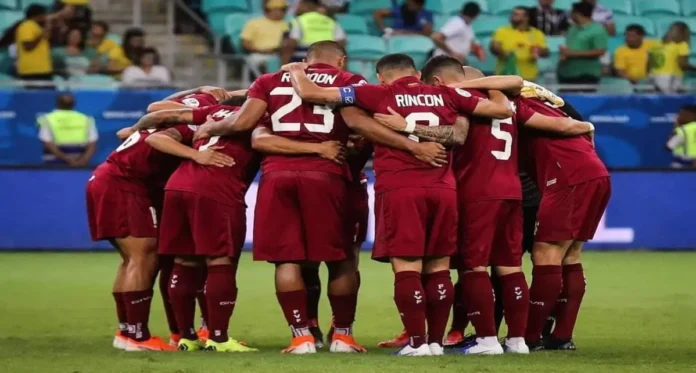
222, 113
412, 119
500, 134
132, 140
213, 140
294, 103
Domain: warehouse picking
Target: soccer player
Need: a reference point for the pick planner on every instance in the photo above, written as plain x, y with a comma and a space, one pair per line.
205, 219
575, 187
301, 206
415, 205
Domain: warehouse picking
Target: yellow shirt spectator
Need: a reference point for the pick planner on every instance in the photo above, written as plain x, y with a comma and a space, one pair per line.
634, 61
118, 60
521, 44
264, 34
38, 60
665, 58
106, 46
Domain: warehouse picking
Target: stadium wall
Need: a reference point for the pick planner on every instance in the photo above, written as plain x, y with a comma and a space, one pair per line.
45, 210
631, 130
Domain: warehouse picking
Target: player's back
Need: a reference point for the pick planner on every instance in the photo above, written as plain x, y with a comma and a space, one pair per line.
556, 161
486, 166
224, 184
292, 118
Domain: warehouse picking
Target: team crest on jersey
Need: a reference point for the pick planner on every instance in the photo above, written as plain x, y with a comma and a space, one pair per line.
463, 92
191, 102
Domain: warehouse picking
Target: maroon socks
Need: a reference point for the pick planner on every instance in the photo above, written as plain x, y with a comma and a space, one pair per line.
183, 286
138, 313
166, 268
547, 282
479, 302
568, 303
439, 293
410, 300
200, 294
121, 312
515, 297
221, 297
294, 305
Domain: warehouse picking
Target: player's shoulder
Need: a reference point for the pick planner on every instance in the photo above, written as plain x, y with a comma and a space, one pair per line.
352, 78
197, 100
271, 79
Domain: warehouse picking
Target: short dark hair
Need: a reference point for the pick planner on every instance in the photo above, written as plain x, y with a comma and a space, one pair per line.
65, 101
35, 10
234, 101
471, 9
436, 64
326, 46
102, 24
393, 61
522, 8
689, 108
583, 8
148, 50
636, 28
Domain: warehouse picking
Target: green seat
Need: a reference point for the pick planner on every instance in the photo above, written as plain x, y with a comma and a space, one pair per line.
225, 6
439, 20
566, 5
504, 7
9, 18
6, 61
618, 6
7, 82
364, 68
367, 7
554, 43
352, 24
8, 4
486, 25
365, 47
273, 64
234, 23
647, 23
688, 7
549, 64
47, 3
444, 7
648, 8
663, 24
614, 43
416, 46
614, 85
96, 82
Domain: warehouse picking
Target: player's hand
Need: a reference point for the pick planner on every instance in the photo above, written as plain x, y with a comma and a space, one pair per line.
431, 153
203, 132
333, 151
394, 120
219, 93
124, 133
294, 66
210, 157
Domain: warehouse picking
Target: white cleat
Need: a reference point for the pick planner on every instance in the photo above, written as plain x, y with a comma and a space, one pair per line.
345, 344
515, 346
485, 346
422, 350
301, 345
120, 342
436, 349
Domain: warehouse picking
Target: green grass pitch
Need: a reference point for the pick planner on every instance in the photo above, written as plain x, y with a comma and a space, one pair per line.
56, 315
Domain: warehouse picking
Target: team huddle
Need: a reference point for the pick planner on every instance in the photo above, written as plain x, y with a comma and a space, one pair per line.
448, 146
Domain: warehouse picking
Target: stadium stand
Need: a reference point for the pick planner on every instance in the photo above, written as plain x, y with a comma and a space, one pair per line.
623, 7
416, 46
504, 7
353, 24
624, 20
647, 8
486, 25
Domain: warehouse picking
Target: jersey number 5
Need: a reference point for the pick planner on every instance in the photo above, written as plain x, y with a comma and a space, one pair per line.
294, 103
499, 134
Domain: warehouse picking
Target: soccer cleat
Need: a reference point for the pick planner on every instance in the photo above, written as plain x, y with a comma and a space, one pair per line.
318, 336
422, 350
436, 349
559, 345
174, 339
303, 344
399, 341
483, 346
120, 340
231, 345
345, 344
203, 333
153, 344
190, 345
515, 346
548, 327
536, 346
454, 338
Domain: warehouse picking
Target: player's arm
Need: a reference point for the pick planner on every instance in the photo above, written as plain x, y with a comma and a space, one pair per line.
165, 105
307, 89
165, 118
169, 142
359, 121
264, 141
563, 126
217, 92
243, 120
445, 135
511, 84
496, 107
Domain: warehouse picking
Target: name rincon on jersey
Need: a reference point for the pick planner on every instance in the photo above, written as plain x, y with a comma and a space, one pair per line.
319, 78
419, 100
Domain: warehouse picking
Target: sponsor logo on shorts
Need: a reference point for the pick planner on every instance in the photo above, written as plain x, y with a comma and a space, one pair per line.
551, 182
153, 214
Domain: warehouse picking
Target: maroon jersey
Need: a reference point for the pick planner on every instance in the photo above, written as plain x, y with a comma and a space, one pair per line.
224, 184
422, 104
486, 166
300, 121
141, 164
555, 162
197, 100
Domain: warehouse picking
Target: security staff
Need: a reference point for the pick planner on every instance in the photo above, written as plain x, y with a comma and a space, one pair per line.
683, 140
310, 26
69, 137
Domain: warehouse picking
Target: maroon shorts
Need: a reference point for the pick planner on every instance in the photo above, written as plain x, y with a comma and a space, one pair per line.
573, 213
197, 225
301, 216
116, 209
415, 222
360, 215
490, 234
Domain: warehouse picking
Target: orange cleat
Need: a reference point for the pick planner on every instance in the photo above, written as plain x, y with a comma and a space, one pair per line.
301, 345
399, 341
203, 334
174, 339
120, 340
153, 344
454, 337
345, 344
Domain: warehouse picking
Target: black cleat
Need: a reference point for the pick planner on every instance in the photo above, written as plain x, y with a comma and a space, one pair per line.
318, 336
560, 344
548, 327
536, 346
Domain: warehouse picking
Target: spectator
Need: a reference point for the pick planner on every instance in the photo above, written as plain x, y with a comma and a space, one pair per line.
81, 13
585, 45
147, 71
602, 15
98, 38
310, 26
456, 38
518, 46
631, 59
122, 57
75, 58
409, 18
69, 137
670, 59
683, 140
263, 36
549, 20
33, 50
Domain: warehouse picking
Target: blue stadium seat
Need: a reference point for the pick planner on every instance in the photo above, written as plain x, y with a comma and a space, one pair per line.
8, 4
47, 3
663, 24
6, 84
367, 7
488, 65
614, 85
353, 24
227, 6
615, 42
9, 18
416, 46
548, 65
366, 47
618, 6
688, 7
648, 8
504, 7
647, 23
273, 64
564, 4
256, 6
6, 61
439, 20
486, 25
364, 68
234, 23
216, 20
554, 43
445, 7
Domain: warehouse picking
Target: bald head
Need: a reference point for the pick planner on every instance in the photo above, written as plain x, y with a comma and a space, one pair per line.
328, 52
